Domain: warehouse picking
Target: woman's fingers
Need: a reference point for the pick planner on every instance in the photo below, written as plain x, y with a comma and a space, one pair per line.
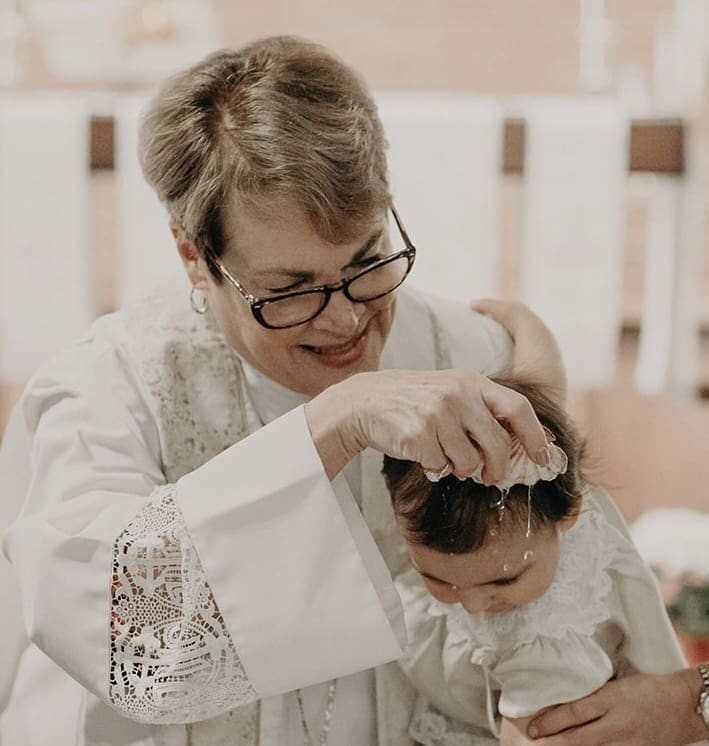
438, 417
571, 715
519, 417
435, 475
461, 452
492, 441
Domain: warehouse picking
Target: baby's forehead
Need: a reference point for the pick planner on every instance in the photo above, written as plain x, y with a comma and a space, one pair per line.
500, 557
510, 533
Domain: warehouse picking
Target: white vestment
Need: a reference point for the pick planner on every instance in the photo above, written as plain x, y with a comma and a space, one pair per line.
184, 566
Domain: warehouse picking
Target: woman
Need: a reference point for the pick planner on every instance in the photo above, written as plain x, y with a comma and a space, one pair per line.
190, 550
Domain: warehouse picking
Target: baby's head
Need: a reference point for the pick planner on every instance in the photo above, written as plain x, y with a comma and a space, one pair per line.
472, 546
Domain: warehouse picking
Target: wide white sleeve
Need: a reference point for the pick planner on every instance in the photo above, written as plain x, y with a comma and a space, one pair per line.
250, 576
14, 472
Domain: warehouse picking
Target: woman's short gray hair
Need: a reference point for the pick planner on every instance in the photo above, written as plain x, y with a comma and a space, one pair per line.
279, 118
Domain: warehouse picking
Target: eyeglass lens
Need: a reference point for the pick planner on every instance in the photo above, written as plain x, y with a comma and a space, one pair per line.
369, 285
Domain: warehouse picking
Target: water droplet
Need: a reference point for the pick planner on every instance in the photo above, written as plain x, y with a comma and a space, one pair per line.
529, 510
506, 567
493, 532
528, 555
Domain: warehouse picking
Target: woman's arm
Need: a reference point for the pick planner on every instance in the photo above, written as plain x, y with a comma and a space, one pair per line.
639, 710
175, 602
431, 417
536, 353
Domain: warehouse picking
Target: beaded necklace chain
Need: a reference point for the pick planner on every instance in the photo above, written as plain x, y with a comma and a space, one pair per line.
327, 716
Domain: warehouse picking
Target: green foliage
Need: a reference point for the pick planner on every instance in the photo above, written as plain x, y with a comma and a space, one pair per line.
689, 610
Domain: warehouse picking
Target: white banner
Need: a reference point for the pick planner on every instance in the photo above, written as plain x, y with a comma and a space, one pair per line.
445, 163
147, 255
576, 156
44, 244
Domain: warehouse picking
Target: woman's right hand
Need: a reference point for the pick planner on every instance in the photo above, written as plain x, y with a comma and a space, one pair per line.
436, 418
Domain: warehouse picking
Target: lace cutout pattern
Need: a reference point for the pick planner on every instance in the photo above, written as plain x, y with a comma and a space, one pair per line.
429, 727
172, 659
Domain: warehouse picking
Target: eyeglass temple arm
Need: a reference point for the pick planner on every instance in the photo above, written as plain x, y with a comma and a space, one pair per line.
400, 226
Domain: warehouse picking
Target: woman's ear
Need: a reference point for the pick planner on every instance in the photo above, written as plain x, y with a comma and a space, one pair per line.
189, 254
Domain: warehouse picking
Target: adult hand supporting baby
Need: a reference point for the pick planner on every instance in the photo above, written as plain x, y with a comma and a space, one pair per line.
435, 418
639, 710
536, 352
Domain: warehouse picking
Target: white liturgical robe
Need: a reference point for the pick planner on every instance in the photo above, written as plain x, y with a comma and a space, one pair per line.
180, 561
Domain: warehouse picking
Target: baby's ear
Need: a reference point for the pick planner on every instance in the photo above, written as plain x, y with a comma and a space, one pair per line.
566, 523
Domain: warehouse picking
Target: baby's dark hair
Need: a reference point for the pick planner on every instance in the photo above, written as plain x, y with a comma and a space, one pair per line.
457, 516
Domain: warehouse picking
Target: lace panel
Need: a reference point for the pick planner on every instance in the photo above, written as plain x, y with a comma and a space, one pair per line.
172, 659
430, 727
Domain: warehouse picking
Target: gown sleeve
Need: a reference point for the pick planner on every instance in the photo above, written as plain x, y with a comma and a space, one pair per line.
551, 671
250, 576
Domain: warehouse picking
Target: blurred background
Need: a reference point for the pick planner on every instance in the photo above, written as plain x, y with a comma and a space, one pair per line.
554, 152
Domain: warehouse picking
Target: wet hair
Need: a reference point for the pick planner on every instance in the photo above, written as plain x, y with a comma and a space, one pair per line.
281, 119
457, 516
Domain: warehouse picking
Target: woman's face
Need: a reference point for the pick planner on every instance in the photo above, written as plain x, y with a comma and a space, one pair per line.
284, 253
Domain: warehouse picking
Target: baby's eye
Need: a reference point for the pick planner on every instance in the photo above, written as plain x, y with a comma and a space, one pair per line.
506, 581
439, 586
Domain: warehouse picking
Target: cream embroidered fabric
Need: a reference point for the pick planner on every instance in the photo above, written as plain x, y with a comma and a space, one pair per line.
172, 658
431, 728
522, 470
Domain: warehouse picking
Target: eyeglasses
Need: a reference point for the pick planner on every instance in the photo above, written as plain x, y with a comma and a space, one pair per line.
292, 309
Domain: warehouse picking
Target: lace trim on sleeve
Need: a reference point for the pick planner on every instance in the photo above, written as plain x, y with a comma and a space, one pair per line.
171, 656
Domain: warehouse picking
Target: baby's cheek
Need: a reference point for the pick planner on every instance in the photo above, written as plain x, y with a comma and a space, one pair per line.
535, 588
442, 594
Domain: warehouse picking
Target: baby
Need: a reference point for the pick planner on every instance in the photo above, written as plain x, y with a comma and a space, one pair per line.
522, 595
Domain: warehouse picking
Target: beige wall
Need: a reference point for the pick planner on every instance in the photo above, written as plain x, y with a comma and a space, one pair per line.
652, 450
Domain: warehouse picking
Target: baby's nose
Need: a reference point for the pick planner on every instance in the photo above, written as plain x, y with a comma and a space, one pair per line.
474, 603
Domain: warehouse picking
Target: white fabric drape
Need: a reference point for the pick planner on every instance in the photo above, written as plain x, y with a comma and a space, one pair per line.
669, 353
658, 319
44, 241
576, 155
445, 162
146, 250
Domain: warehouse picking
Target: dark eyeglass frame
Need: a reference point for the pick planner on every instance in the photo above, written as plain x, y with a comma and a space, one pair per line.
257, 304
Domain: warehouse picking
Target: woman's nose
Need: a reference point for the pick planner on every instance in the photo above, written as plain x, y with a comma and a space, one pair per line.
341, 316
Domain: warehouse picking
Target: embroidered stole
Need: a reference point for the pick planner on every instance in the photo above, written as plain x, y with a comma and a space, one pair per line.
201, 407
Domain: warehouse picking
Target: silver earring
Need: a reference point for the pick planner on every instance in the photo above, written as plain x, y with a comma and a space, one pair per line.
198, 300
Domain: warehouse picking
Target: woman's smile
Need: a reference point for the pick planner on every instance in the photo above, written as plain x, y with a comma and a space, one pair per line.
341, 355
